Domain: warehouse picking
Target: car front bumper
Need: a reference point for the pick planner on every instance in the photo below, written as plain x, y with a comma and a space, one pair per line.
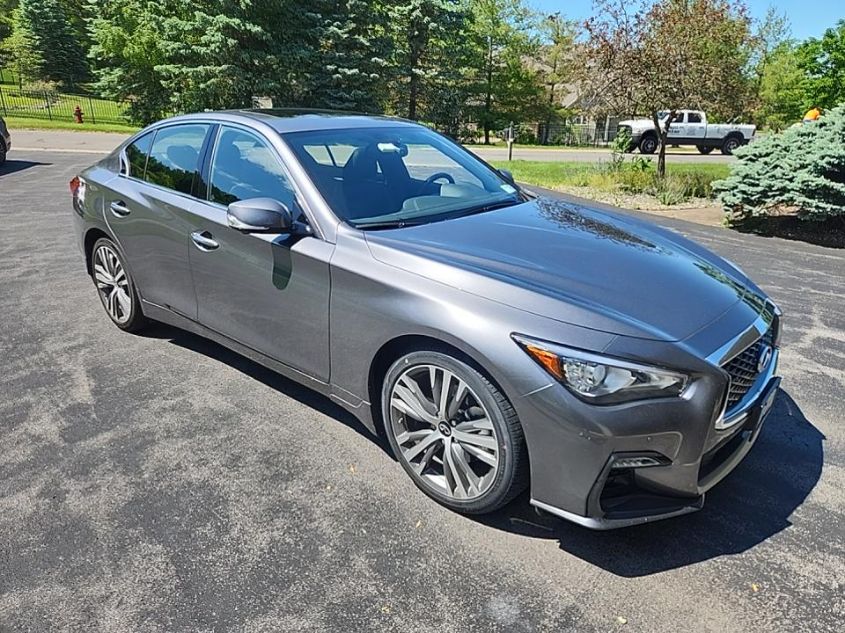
616, 466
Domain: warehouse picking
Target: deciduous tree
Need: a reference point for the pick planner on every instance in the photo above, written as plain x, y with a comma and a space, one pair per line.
671, 55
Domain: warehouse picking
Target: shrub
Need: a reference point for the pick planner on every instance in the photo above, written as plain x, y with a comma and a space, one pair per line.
801, 169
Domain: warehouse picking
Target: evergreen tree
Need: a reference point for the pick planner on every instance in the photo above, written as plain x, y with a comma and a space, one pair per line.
349, 66
43, 30
802, 168
428, 38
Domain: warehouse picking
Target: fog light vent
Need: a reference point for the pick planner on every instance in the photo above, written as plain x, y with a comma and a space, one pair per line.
637, 461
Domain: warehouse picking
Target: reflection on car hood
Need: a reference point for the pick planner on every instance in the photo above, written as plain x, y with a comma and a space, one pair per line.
574, 264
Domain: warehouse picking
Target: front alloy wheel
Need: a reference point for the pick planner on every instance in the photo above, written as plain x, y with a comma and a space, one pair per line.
453, 432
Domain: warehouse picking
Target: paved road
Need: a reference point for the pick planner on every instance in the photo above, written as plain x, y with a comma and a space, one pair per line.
162, 483
95, 142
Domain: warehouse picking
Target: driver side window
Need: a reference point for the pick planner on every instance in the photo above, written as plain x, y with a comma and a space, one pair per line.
243, 167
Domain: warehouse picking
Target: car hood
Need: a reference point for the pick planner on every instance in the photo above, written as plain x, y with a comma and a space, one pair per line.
575, 264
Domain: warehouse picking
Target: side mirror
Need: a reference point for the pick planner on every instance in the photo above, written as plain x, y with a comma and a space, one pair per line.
259, 215
507, 175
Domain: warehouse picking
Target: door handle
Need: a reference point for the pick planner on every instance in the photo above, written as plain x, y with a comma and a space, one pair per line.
203, 241
119, 209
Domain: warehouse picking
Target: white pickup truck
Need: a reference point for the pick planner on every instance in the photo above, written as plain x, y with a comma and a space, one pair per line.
690, 127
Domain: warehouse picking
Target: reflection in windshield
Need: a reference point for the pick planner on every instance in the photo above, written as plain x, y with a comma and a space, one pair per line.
396, 176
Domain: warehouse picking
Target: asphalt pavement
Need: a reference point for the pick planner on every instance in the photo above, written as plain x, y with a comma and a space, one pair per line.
162, 483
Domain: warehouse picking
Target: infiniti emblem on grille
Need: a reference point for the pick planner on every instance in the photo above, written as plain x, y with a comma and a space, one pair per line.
764, 357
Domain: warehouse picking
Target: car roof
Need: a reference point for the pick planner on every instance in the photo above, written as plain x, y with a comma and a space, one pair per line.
285, 120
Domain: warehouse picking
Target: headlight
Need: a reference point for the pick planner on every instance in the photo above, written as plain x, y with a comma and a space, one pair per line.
601, 380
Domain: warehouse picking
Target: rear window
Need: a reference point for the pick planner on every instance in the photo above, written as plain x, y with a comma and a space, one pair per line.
174, 156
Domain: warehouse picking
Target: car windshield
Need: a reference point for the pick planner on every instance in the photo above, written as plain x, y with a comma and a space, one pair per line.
384, 177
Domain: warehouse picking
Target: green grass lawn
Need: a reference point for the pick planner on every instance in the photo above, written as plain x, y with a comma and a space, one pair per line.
683, 180
26, 123
577, 174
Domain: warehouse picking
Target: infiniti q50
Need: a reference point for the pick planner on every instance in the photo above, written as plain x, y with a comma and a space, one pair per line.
498, 339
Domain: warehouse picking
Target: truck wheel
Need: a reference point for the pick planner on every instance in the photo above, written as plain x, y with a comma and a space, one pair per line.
704, 149
730, 145
648, 144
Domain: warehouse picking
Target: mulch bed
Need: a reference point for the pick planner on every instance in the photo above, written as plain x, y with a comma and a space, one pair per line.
830, 233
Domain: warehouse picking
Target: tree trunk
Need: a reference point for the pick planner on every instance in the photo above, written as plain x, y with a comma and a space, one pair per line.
663, 137
488, 98
413, 94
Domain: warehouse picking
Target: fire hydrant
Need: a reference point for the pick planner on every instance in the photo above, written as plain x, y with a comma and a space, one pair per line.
78, 114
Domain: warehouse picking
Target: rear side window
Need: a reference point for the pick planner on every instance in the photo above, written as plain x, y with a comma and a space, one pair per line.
694, 117
245, 167
137, 153
174, 157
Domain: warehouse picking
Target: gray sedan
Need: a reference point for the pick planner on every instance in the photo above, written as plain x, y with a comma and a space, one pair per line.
499, 340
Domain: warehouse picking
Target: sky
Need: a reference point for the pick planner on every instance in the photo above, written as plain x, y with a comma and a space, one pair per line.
808, 18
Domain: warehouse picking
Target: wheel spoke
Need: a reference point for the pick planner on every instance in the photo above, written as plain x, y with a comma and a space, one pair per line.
464, 470
408, 397
475, 439
457, 399
426, 459
124, 301
453, 480
479, 453
113, 303
102, 276
419, 447
481, 424
413, 436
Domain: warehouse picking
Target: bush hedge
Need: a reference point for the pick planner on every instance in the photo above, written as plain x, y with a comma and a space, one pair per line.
800, 170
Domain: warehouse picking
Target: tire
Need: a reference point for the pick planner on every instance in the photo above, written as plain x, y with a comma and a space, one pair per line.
704, 149
730, 145
2, 152
648, 144
115, 286
476, 428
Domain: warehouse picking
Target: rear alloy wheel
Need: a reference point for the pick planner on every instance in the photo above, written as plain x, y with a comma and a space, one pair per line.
114, 286
454, 432
730, 145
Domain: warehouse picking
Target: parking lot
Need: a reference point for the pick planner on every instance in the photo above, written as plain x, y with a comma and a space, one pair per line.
162, 483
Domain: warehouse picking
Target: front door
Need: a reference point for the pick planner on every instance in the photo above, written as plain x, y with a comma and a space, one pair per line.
268, 292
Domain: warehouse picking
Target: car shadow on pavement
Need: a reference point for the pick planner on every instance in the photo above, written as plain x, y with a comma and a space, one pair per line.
751, 505
285, 386
12, 166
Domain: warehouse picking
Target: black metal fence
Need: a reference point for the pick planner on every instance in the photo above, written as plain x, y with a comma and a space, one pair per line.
58, 106
596, 134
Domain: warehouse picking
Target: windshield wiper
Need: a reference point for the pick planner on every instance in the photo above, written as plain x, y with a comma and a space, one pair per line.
482, 208
387, 224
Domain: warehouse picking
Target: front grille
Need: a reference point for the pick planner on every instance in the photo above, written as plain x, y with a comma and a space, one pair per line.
743, 370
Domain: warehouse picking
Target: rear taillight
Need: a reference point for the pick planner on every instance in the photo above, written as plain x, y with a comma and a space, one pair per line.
75, 183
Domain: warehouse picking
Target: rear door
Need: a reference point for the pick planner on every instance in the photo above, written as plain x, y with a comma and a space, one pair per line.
146, 210
696, 126
267, 292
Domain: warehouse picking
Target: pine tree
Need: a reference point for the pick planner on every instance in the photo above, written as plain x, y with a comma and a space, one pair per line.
349, 65
44, 26
802, 168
